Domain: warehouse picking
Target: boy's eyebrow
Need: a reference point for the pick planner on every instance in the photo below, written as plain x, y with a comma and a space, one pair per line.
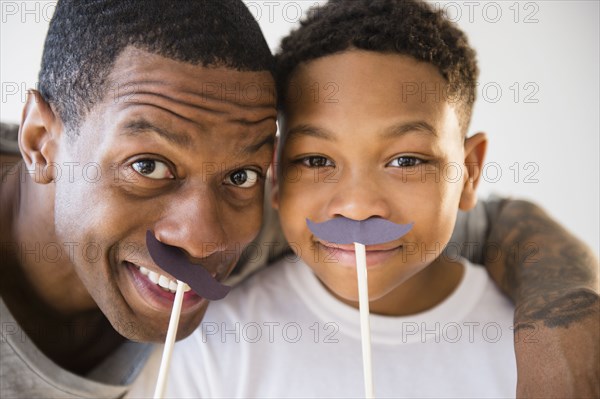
139, 126
309, 130
394, 131
405, 127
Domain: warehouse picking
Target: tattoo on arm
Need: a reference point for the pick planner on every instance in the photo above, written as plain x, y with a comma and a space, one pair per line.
551, 275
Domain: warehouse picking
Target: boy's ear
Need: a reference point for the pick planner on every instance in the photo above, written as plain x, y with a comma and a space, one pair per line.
475, 148
38, 137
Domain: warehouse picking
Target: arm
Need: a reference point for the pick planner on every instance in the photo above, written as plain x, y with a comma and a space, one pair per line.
553, 279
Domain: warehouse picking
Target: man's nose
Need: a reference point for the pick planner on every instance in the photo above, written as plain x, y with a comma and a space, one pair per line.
192, 222
358, 195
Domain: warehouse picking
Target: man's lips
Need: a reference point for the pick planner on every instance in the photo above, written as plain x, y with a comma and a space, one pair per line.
160, 278
153, 293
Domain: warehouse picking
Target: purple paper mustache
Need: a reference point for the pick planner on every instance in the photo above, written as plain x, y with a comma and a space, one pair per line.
173, 261
342, 230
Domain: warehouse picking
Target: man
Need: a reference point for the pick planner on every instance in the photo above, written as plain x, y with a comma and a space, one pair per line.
161, 116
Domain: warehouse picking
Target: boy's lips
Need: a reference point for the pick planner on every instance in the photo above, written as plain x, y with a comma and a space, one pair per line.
350, 247
346, 256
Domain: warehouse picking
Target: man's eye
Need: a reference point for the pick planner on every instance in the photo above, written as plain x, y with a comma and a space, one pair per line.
316, 161
405, 162
152, 169
244, 178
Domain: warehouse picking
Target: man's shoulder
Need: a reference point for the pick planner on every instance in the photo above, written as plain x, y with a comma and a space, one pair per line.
26, 372
9, 134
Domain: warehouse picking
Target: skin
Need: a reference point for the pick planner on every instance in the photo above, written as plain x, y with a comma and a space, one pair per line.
186, 184
370, 154
553, 279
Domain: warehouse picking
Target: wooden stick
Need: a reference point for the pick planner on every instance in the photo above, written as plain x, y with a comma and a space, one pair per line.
365, 329
161, 383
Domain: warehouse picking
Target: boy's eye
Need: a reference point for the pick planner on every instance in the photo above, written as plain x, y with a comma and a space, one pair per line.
152, 169
244, 178
316, 161
404, 162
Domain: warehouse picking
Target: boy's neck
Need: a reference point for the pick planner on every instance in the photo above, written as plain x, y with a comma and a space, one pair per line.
421, 292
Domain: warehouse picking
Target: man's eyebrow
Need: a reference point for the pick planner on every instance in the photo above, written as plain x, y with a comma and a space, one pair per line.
308, 130
253, 148
140, 126
406, 127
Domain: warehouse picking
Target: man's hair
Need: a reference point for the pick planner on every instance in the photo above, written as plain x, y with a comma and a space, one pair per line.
406, 27
85, 38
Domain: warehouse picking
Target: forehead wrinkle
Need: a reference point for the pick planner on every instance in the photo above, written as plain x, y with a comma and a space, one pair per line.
200, 125
142, 126
243, 114
206, 100
235, 97
268, 141
240, 115
250, 123
172, 100
213, 100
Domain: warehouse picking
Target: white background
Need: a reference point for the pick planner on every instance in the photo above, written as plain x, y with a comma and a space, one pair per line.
538, 96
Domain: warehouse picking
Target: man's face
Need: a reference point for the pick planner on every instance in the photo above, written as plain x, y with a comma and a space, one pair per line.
174, 148
358, 145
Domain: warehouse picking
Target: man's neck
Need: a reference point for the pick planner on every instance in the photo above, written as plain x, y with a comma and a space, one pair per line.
39, 284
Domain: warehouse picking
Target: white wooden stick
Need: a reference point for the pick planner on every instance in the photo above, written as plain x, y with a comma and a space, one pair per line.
161, 383
365, 329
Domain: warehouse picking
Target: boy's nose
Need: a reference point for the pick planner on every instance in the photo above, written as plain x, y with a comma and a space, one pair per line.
358, 198
193, 223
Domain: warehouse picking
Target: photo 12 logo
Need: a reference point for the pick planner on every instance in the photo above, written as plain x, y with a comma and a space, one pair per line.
27, 11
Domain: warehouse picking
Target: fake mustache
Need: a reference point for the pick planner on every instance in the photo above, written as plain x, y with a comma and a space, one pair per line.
342, 230
173, 261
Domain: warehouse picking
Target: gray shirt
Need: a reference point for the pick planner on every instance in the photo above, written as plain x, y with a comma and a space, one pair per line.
26, 373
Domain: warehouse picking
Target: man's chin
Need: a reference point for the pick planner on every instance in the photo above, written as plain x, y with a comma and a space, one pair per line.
142, 331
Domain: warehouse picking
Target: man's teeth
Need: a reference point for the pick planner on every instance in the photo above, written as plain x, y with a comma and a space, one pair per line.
162, 281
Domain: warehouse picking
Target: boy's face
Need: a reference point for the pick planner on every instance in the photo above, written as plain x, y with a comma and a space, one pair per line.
176, 149
358, 145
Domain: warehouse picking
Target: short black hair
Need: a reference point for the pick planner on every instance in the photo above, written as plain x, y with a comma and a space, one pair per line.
407, 27
85, 38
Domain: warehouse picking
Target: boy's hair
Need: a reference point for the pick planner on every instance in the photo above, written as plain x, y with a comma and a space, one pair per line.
85, 38
407, 27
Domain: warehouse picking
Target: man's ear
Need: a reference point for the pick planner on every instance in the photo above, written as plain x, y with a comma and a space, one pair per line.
475, 148
38, 137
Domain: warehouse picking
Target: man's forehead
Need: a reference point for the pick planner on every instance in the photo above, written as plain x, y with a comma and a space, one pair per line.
136, 70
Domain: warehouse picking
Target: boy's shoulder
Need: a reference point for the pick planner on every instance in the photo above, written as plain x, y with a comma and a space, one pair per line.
268, 291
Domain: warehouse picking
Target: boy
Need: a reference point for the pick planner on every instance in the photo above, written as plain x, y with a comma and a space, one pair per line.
356, 144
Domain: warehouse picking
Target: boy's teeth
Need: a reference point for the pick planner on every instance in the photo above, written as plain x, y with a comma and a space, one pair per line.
162, 281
